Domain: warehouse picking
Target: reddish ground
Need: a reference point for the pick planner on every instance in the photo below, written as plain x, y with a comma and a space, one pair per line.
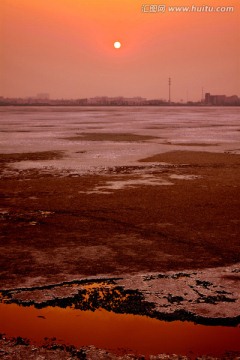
51, 227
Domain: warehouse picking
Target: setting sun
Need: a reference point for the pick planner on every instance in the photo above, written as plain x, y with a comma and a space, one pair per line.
117, 45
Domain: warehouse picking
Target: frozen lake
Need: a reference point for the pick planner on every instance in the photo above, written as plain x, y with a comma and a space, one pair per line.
95, 137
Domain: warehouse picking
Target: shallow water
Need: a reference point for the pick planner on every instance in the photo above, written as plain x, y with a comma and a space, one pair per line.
116, 332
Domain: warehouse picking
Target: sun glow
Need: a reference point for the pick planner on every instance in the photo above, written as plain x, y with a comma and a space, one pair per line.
117, 45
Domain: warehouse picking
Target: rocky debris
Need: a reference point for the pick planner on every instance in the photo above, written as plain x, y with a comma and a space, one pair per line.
200, 295
20, 349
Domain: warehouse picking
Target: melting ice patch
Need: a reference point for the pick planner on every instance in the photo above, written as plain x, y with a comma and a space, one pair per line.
184, 177
147, 180
126, 183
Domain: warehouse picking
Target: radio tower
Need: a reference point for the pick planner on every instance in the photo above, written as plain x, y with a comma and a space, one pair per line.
169, 90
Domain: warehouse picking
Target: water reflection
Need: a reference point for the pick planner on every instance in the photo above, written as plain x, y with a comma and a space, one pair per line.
109, 330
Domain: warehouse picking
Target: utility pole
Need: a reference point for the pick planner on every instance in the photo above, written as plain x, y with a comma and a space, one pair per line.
169, 90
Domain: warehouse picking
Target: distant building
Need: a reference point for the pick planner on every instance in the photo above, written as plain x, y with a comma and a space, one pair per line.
221, 100
232, 100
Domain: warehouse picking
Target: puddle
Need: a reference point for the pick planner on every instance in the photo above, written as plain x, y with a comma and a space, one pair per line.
116, 332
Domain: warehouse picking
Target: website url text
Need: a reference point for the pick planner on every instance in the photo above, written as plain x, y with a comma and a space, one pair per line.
156, 8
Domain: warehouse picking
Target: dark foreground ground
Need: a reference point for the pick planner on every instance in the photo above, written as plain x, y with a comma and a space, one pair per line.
58, 228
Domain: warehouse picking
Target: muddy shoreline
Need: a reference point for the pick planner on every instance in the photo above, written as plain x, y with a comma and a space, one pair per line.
163, 234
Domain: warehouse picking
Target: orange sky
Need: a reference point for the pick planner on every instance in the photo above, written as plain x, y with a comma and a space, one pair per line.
65, 48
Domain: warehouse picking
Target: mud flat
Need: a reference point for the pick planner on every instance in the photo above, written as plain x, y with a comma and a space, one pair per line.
155, 236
